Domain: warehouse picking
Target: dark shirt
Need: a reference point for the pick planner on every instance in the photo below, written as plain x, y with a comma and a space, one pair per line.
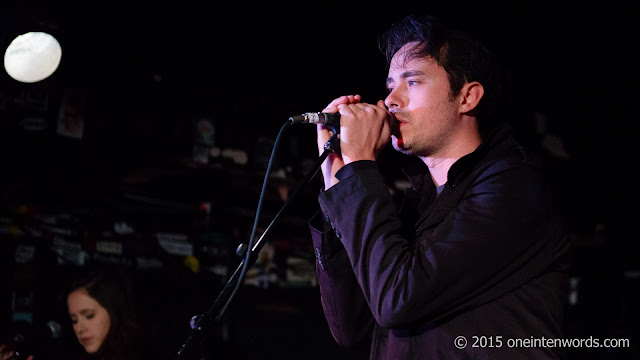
486, 259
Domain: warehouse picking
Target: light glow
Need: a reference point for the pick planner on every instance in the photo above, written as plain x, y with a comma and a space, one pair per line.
32, 57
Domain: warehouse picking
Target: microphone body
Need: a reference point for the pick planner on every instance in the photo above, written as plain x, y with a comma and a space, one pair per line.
326, 119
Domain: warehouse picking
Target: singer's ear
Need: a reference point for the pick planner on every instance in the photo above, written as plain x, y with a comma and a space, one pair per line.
470, 96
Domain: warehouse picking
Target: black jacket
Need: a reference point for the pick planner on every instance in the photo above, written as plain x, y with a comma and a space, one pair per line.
486, 259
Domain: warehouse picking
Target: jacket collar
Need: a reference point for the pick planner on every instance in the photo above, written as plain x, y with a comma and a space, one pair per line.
418, 173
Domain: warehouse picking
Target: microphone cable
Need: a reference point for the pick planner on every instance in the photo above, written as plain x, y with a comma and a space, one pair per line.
249, 248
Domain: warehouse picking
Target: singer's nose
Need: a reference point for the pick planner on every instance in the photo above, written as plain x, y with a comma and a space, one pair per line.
392, 101
397, 98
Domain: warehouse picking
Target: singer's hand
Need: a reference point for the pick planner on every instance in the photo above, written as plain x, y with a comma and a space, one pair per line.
364, 130
334, 161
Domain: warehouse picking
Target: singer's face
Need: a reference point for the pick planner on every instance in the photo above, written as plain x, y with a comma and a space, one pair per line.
420, 98
91, 321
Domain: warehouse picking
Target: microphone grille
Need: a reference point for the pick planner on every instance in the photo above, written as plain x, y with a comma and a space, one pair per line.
55, 329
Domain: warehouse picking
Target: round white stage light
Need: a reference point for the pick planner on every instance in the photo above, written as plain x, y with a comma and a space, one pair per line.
32, 57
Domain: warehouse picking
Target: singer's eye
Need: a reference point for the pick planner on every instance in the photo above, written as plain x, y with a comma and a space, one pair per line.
413, 82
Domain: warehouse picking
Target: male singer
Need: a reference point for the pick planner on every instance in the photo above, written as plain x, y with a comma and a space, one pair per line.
476, 256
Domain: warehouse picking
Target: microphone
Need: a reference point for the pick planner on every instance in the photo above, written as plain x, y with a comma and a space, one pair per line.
27, 340
52, 330
327, 119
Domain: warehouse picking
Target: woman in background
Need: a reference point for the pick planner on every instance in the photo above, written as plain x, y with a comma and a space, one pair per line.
104, 318
103, 313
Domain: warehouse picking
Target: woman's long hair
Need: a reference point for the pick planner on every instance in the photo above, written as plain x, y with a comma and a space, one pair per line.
113, 289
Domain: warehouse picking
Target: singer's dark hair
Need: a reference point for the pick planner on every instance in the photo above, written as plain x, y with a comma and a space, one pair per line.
463, 57
112, 287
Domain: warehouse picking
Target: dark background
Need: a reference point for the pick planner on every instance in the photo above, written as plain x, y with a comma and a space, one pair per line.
149, 71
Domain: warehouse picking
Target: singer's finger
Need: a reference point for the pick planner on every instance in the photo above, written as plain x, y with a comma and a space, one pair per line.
361, 109
390, 117
378, 106
346, 99
345, 110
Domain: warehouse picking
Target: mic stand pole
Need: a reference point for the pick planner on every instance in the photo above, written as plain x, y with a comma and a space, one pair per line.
215, 311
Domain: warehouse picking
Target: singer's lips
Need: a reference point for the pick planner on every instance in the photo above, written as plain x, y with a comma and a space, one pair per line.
396, 118
398, 121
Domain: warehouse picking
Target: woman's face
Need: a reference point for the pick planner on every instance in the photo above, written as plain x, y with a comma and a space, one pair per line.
90, 320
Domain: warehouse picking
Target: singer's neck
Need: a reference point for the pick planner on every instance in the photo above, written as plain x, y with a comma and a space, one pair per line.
440, 163
439, 168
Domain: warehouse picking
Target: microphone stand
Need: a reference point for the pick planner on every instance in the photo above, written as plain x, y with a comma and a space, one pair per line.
201, 323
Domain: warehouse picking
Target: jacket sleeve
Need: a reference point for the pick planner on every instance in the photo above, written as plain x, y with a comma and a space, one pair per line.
343, 303
489, 243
